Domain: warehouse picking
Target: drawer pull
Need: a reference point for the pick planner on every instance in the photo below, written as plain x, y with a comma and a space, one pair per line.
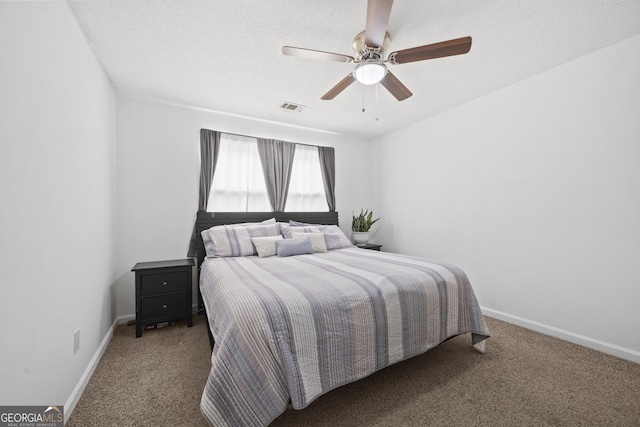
165, 283
165, 306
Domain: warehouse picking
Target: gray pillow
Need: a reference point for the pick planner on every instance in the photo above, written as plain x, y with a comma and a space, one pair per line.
297, 246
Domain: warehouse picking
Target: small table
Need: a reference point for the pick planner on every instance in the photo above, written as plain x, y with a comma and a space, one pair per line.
372, 246
163, 292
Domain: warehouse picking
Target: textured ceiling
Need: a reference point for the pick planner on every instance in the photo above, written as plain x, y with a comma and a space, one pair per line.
226, 55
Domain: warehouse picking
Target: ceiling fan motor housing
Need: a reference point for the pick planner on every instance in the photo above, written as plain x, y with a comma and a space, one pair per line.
364, 52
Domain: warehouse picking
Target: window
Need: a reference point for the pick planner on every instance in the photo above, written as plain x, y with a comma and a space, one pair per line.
306, 189
238, 182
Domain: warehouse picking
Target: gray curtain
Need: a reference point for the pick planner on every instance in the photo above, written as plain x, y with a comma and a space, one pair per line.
328, 168
209, 149
277, 162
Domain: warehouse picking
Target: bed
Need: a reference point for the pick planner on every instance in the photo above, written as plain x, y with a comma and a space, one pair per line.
317, 314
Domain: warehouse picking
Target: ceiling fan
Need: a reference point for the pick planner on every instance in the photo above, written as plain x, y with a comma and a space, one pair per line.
370, 46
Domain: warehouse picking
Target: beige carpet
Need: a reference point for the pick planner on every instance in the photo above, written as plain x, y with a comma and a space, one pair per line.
524, 379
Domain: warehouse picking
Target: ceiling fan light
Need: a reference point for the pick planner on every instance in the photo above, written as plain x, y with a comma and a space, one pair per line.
370, 73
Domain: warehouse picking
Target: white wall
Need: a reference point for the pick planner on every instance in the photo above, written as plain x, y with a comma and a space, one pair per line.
57, 189
158, 172
535, 192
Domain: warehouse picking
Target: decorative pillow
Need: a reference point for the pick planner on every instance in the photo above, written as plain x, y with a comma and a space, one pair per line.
288, 229
289, 247
266, 246
335, 238
235, 240
317, 240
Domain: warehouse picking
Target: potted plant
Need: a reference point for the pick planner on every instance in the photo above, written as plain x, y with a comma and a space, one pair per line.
361, 225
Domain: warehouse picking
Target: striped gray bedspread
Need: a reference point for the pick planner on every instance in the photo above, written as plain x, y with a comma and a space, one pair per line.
294, 328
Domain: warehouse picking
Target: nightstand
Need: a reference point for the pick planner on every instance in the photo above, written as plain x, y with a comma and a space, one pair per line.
372, 246
163, 292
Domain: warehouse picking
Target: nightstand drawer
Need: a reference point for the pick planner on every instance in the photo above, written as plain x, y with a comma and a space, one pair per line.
162, 283
164, 306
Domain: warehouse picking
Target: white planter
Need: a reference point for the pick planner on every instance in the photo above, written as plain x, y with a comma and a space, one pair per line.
360, 237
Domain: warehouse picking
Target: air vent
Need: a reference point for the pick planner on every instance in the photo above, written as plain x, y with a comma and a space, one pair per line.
291, 107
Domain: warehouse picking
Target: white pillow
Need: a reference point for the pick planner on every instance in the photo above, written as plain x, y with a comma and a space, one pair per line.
317, 240
266, 246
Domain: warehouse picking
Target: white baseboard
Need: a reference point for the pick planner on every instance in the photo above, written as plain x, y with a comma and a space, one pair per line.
126, 318
592, 343
71, 403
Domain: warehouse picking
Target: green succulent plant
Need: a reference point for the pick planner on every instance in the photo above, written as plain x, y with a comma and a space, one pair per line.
363, 222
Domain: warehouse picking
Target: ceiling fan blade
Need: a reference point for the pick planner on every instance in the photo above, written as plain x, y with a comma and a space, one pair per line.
316, 54
378, 12
430, 51
397, 89
342, 85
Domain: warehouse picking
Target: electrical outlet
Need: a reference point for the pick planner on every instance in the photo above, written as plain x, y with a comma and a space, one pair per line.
76, 340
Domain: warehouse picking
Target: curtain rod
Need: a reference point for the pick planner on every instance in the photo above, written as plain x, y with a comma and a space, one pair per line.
250, 136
